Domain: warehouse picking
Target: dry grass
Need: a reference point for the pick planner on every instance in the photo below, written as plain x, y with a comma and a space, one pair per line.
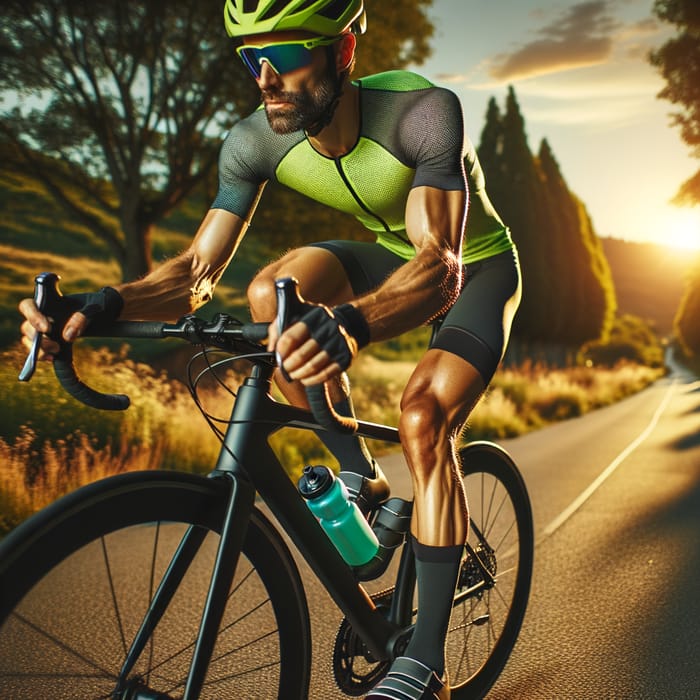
52, 445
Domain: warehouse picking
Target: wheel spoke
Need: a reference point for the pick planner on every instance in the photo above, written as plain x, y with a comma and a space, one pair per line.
86, 581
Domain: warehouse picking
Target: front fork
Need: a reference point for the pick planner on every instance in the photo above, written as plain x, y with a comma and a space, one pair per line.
241, 498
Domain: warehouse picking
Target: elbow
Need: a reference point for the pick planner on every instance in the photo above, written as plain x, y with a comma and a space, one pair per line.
449, 282
203, 279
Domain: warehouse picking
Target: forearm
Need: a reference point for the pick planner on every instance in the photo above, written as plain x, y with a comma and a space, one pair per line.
428, 284
177, 287
186, 282
415, 293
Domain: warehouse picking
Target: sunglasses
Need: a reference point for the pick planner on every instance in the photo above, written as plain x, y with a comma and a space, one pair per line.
283, 57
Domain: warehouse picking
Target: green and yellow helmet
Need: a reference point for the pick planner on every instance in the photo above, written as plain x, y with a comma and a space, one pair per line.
325, 17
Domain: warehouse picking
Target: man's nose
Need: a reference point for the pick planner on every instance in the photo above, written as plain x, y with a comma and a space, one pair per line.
268, 76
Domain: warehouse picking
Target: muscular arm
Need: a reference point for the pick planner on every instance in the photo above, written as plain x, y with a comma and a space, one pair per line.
429, 283
186, 282
178, 286
416, 292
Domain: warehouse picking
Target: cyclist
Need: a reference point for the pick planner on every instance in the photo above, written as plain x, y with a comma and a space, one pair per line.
389, 149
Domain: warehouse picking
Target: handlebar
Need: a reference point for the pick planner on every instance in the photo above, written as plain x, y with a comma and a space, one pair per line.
223, 331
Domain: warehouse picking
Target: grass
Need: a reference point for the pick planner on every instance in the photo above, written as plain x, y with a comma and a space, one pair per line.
51, 444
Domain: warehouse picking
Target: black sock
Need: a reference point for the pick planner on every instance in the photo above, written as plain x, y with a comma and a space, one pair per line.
350, 450
437, 569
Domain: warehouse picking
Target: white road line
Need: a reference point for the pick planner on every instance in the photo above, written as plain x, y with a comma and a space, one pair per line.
585, 495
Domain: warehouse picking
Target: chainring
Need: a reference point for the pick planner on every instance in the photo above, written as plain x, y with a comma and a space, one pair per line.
355, 669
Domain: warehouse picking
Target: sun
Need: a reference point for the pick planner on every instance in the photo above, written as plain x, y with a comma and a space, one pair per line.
683, 234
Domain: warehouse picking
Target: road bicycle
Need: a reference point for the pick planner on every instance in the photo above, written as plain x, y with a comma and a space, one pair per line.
161, 585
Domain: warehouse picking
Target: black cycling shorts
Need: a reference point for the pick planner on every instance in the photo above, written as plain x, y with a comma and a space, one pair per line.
477, 326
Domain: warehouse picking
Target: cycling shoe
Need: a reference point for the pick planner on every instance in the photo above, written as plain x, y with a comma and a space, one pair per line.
409, 679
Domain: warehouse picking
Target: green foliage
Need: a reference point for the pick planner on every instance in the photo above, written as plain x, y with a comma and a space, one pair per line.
128, 101
678, 61
397, 35
121, 108
568, 292
687, 321
631, 339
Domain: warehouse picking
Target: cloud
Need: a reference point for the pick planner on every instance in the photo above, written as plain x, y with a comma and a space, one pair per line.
581, 36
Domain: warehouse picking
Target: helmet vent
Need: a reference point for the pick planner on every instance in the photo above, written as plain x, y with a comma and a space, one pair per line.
279, 7
334, 9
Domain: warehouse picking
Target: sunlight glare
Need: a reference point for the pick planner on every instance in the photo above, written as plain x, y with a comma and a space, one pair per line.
684, 231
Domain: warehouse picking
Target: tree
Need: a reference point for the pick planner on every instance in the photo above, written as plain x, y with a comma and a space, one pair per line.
687, 321
585, 290
515, 188
568, 294
678, 60
120, 106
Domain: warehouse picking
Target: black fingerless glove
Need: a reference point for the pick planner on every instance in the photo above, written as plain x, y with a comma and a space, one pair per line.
341, 332
103, 306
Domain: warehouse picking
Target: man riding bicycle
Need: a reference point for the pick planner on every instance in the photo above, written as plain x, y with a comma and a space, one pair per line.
389, 149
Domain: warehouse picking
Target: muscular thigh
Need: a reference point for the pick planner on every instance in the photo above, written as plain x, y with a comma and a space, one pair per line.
321, 276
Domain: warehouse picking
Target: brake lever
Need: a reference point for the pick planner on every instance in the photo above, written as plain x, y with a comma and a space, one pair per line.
42, 282
289, 305
30, 363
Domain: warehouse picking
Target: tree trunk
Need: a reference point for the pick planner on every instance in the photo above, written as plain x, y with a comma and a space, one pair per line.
136, 261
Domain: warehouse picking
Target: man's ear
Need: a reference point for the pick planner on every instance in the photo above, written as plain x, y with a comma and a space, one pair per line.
346, 51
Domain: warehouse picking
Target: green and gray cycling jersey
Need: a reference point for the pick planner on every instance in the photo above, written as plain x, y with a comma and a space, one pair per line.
411, 135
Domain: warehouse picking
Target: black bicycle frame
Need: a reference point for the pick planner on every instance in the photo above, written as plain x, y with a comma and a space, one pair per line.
249, 464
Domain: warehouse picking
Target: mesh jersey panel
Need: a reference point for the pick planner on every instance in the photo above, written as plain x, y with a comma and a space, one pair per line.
411, 134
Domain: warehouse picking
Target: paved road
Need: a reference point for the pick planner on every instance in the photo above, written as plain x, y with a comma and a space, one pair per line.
615, 605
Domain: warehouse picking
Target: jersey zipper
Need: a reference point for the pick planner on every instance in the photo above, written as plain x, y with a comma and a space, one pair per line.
363, 206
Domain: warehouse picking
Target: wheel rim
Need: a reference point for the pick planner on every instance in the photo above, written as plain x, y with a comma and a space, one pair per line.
66, 637
490, 606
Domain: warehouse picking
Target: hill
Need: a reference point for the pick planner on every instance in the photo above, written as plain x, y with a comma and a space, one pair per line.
648, 280
35, 235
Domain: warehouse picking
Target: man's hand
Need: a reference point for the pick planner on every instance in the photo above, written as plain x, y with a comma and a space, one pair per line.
104, 305
321, 344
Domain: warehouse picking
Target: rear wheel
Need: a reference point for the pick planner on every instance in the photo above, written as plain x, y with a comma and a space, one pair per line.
494, 584
76, 581
492, 591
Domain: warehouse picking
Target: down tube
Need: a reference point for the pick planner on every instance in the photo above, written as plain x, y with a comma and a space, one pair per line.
255, 417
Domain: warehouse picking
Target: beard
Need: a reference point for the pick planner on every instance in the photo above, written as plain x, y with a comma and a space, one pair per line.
305, 109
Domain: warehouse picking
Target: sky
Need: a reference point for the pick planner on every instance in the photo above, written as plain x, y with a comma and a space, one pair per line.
583, 81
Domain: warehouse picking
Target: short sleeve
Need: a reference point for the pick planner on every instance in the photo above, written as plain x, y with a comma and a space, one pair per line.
239, 183
433, 136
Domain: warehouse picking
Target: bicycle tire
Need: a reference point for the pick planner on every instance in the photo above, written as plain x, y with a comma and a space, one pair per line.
484, 626
75, 581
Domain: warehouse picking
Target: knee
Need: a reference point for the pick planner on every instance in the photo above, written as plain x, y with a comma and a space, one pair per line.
423, 429
261, 296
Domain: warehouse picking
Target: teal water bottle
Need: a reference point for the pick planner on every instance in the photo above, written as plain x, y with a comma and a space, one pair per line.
340, 517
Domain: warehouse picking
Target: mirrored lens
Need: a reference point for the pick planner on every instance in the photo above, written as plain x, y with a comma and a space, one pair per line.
283, 58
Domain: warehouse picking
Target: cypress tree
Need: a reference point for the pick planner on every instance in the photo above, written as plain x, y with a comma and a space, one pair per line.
568, 295
584, 282
687, 321
522, 206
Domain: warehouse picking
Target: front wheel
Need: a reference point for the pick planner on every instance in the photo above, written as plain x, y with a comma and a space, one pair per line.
77, 579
